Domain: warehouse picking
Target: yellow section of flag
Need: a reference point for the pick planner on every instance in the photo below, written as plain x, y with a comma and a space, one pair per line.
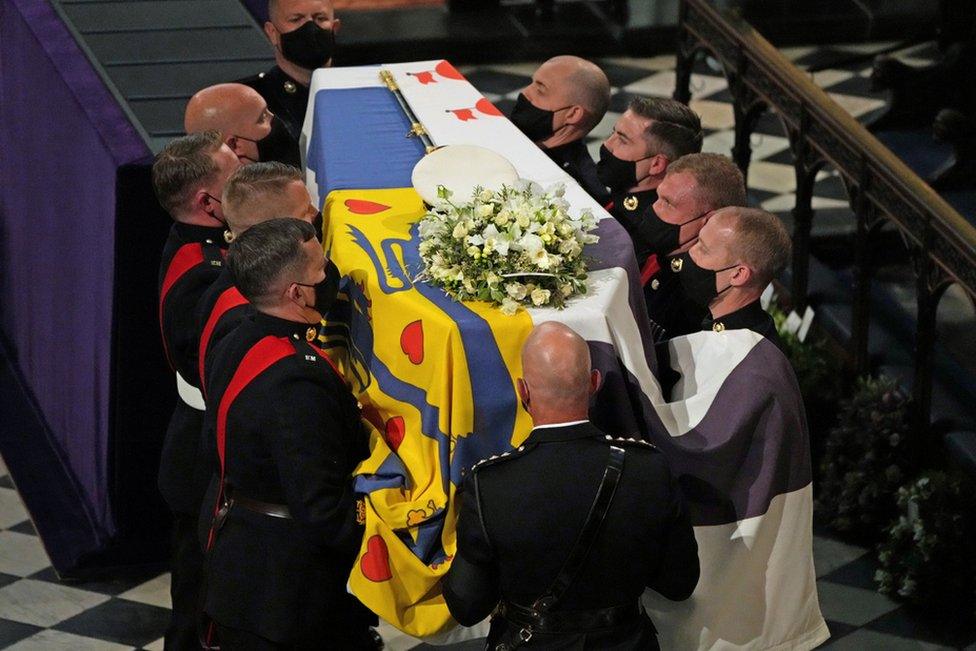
409, 353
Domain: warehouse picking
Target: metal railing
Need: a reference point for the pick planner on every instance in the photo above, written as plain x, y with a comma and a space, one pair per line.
881, 188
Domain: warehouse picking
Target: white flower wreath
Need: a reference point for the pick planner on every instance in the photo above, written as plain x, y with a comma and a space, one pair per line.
515, 246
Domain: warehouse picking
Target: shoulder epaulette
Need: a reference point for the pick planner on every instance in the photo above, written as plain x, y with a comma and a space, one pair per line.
499, 458
630, 441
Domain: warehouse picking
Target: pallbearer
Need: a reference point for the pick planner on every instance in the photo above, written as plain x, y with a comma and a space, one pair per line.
189, 176
649, 136
567, 97
287, 434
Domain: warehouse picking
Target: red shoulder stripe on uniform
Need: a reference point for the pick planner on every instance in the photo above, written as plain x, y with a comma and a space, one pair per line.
258, 359
228, 300
650, 268
186, 257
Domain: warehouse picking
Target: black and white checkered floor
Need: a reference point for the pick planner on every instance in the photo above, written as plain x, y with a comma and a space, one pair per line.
37, 612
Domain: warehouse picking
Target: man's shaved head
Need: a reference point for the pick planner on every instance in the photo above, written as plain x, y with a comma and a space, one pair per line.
227, 108
583, 83
556, 367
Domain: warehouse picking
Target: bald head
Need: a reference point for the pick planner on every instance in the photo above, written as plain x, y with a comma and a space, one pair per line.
582, 83
556, 369
230, 109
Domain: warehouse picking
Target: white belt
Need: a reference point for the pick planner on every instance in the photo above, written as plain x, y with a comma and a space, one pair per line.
189, 394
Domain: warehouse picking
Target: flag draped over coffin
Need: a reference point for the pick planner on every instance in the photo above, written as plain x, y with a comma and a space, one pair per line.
436, 381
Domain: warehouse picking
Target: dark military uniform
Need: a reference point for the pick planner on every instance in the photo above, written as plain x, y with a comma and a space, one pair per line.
630, 209
287, 433
574, 159
192, 259
751, 317
672, 314
286, 98
520, 515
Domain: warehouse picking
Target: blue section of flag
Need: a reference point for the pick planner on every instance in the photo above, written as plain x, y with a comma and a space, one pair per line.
373, 153
491, 385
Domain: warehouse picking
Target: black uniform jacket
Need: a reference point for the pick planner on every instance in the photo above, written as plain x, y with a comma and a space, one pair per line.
574, 159
630, 209
671, 312
192, 259
287, 432
520, 516
751, 317
286, 98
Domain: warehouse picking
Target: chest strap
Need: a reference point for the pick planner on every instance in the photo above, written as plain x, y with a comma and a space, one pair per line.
539, 617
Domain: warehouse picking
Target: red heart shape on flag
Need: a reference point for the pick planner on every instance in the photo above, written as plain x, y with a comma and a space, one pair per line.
395, 431
426, 77
487, 107
363, 207
464, 114
375, 563
412, 342
445, 69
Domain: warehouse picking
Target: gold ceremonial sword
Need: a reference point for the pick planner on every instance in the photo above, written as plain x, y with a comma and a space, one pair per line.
417, 129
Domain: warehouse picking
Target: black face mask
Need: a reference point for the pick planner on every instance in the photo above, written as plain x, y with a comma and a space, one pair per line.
661, 237
309, 46
617, 174
697, 283
534, 122
278, 145
325, 291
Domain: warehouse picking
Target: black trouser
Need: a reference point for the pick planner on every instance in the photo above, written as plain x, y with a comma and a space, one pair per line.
232, 639
187, 578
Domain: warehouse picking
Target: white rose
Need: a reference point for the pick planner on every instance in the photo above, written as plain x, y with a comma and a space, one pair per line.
509, 307
516, 290
540, 296
459, 231
503, 217
485, 194
483, 210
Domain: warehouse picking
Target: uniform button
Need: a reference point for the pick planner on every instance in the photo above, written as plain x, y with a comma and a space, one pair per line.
261, 75
209, 241
310, 334
290, 87
630, 203
655, 283
718, 326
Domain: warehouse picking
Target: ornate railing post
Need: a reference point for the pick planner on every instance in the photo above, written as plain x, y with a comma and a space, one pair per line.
866, 216
805, 167
931, 283
746, 108
685, 58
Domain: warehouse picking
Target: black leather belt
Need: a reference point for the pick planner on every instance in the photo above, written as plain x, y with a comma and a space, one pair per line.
264, 508
568, 621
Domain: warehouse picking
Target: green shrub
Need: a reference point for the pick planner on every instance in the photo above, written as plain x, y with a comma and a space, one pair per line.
927, 556
866, 458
